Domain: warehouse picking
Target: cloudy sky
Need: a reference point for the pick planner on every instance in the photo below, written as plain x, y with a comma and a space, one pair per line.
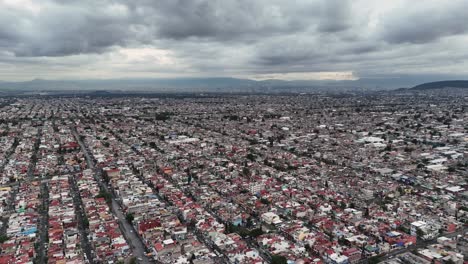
302, 39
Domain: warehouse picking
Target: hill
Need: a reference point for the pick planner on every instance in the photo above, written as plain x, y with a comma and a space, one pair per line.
441, 85
219, 85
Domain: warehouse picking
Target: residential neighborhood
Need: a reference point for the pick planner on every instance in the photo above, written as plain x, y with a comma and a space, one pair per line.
296, 179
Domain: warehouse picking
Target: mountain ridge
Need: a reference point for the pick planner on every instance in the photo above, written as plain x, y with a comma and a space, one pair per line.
441, 85
217, 84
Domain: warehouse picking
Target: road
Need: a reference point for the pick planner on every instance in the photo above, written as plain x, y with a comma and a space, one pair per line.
11, 201
128, 231
420, 244
43, 226
78, 204
222, 257
33, 160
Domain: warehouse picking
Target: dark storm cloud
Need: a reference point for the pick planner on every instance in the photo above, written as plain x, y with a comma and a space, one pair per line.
59, 29
74, 27
228, 20
240, 37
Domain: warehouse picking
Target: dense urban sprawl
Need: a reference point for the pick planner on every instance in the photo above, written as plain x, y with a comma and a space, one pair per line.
234, 179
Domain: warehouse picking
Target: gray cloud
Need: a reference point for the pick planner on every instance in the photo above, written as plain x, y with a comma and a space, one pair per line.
60, 30
222, 37
426, 21
335, 16
228, 20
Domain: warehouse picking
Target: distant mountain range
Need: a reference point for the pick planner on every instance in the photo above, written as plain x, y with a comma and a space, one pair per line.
223, 85
441, 85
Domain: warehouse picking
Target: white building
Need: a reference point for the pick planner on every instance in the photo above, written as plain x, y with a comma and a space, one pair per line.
271, 218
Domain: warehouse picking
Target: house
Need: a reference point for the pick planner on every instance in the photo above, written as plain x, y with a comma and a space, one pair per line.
271, 218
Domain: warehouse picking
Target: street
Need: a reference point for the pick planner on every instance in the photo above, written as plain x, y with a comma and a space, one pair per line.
78, 204
137, 246
420, 244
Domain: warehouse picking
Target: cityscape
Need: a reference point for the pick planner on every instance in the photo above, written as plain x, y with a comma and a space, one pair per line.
305, 178
233, 132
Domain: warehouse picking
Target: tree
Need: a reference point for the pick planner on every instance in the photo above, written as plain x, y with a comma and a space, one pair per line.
342, 205
246, 171
374, 260
103, 194
388, 147
343, 241
271, 140
277, 259
163, 116
3, 238
189, 178
384, 207
264, 201
251, 157
249, 222
86, 222
130, 217
408, 149
256, 232
133, 260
